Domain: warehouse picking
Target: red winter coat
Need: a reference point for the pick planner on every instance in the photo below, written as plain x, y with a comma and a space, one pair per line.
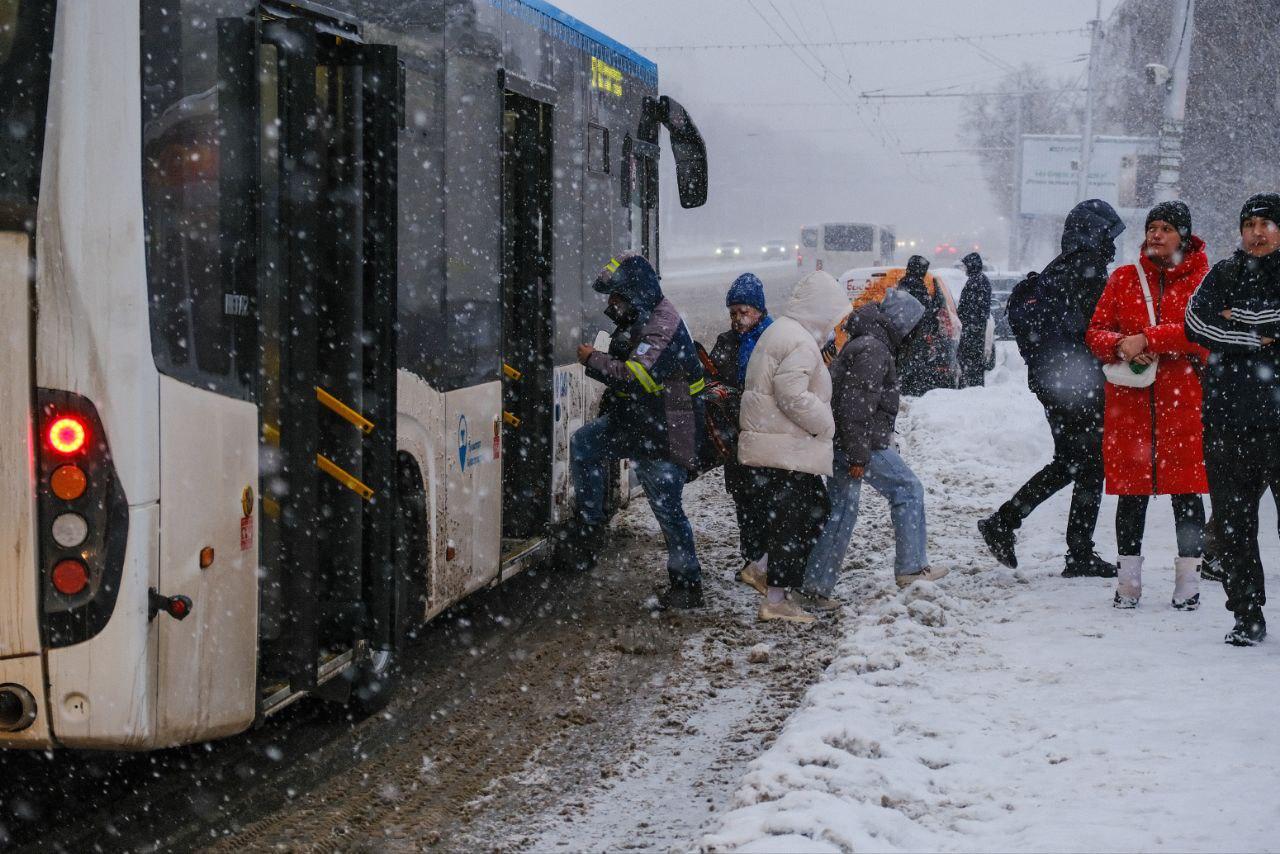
1152, 437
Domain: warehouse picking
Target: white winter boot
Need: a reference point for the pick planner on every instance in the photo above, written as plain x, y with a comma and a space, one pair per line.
1186, 584
1128, 582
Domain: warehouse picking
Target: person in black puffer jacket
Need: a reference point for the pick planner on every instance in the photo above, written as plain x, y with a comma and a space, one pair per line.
1050, 313
917, 357
1235, 314
974, 311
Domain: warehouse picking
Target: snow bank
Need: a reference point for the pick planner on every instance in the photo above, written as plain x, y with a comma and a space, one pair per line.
1001, 710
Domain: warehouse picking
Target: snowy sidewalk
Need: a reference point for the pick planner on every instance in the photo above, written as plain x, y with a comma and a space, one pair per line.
1016, 711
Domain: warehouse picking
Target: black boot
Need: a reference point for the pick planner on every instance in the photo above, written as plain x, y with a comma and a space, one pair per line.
1250, 629
1000, 538
1088, 565
681, 597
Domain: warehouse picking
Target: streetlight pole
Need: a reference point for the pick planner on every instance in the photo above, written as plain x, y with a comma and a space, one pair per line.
1086, 142
1168, 184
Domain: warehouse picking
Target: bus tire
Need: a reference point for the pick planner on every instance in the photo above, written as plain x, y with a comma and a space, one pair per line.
379, 673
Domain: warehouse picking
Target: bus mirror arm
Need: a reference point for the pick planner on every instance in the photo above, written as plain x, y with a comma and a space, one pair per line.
178, 607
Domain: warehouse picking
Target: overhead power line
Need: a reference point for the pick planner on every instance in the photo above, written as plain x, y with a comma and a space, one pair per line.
871, 97
868, 42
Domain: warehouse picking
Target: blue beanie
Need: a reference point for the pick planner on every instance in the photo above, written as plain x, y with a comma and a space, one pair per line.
747, 289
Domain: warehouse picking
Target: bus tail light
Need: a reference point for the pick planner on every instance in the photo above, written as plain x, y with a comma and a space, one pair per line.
84, 520
69, 577
67, 435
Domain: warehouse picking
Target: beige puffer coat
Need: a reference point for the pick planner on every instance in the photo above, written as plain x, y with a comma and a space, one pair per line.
786, 418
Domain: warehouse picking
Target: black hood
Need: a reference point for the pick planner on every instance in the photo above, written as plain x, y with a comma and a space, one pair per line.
972, 263
917, 265
1092, 226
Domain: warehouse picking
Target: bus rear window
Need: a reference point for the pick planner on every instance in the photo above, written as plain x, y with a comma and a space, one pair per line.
850, 238
26, 39
809, 237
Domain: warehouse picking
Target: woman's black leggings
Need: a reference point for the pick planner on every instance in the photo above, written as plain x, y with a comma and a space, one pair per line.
1188, 521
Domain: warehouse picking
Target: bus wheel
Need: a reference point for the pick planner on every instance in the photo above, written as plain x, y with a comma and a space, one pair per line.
378, 675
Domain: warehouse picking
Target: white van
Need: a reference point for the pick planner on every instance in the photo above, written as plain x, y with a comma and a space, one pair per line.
836, 246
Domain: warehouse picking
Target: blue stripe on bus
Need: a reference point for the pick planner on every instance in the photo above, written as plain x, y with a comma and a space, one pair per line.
569, 29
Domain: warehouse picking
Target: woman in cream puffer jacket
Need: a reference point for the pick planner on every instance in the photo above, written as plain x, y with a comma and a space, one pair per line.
786, 418
786, 432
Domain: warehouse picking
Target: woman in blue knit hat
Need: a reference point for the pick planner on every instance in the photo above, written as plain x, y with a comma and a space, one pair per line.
748, 319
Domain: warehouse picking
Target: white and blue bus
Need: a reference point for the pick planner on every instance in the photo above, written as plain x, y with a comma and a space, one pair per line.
289, 300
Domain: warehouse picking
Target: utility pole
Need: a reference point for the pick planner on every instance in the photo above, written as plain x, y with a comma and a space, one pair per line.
1015, 214
1168, 184
1086, 142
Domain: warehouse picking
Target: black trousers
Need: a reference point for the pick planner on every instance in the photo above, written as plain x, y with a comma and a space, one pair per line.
1077, 458
1241, 466
1188, 524
790, 508
737, 481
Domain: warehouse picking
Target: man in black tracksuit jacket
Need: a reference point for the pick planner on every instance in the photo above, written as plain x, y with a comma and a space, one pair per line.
1235, 313
1049, 314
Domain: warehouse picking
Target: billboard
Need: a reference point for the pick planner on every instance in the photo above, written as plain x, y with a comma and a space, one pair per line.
1122, 171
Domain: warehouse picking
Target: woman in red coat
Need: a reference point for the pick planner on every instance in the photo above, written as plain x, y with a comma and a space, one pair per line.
1152, 437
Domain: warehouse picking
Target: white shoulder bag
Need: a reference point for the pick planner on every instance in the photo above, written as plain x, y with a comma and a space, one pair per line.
1127, 373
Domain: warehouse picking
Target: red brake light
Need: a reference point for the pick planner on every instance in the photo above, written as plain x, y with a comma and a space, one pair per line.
67, 435
70, 577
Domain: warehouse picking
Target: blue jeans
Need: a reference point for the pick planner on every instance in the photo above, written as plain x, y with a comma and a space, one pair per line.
888, 474
591, 449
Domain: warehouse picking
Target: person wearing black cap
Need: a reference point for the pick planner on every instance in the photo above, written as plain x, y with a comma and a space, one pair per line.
1049, 313
1151, 437
974, 311
1235, 314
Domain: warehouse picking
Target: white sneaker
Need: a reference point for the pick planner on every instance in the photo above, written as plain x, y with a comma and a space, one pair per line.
753, 575
785, 610
1128, 582
1186, 584
929, 573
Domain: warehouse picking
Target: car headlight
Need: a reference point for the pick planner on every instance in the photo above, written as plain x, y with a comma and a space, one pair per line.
764, 249
737, 252
719, 251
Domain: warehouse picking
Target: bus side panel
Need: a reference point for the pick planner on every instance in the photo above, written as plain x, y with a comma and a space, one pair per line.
19, 605
473, 491
102, 692
420, 433
93, 337
207, 685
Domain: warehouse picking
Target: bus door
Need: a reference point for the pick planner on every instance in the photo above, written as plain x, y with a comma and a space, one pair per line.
528, 380
330, 115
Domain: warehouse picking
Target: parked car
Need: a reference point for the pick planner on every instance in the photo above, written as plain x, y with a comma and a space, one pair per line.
869, 284
728, 250
1002, 284
775, 250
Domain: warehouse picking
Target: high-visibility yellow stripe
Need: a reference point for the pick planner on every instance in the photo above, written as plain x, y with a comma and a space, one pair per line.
613, 265
695, 388
643, 377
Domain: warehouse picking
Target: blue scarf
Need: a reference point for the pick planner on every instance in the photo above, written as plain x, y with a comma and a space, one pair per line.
747, 343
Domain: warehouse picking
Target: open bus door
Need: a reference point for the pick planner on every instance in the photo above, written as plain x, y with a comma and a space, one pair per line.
331, 109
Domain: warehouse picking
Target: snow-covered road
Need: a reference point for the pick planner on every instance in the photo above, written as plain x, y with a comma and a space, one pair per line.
1001, 711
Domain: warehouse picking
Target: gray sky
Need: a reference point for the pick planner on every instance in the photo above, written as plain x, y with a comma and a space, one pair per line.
787, 147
